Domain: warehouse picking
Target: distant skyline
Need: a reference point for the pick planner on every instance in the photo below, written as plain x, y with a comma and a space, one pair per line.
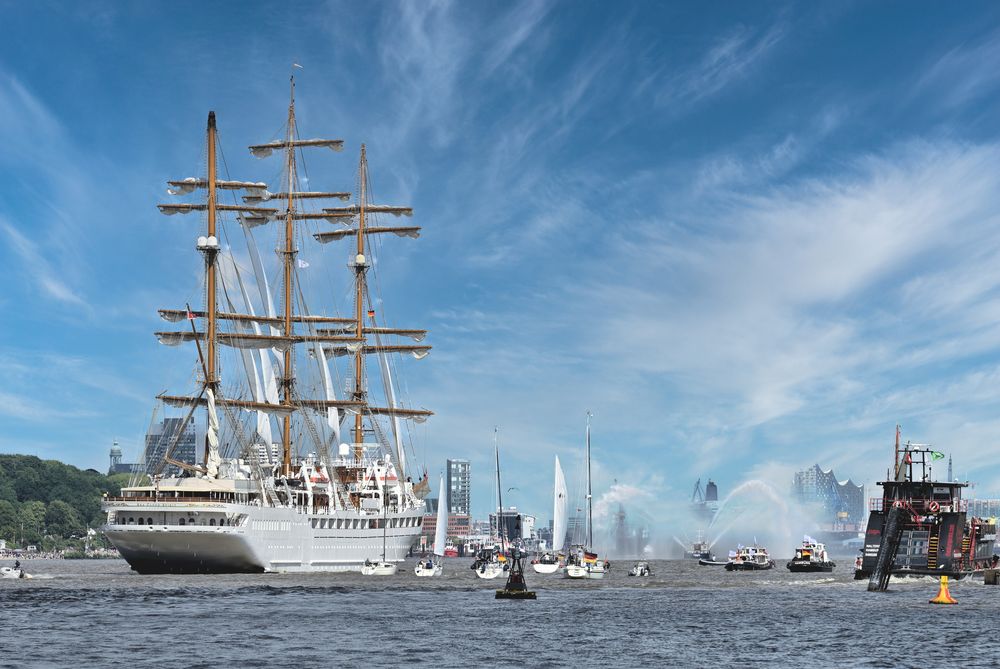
749, 237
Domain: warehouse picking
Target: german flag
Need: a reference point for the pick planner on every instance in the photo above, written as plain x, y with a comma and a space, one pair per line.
589, 558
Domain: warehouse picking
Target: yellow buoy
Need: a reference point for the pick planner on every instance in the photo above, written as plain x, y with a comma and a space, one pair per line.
943, 596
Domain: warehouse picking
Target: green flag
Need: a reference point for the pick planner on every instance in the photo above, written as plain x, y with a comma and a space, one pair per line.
937, 455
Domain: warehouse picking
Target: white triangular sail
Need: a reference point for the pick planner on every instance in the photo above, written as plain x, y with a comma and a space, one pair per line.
560, 509
441, 529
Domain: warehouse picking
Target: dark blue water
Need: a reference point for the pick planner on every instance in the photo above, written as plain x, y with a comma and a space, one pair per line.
99, 614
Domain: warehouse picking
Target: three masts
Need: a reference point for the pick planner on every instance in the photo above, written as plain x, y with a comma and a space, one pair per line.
301, 512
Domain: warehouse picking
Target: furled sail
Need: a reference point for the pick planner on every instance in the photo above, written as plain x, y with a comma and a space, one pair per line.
415, 335
416, 415
264, 150
186, 401
187, 208
213, 460
354, 210
178, 315
441, 529
190, 184
247, 340
560, 508
255, 219
324, 237
236, 340
263, 195
418, 352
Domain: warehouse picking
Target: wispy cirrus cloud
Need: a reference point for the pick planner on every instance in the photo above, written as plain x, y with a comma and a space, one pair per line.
35, 267
513, 31
964, 73
730, 58
423, 60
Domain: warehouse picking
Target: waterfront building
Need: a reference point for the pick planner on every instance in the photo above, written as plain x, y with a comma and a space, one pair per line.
984, 508
160, 438
268, 455
459, 486
516, 525
839, 501
576, 530
459, 526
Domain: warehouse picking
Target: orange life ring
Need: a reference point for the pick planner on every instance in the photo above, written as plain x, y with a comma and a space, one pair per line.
897, 504
934, 506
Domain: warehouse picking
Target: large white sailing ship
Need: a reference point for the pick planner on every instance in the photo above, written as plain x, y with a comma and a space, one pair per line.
323, 502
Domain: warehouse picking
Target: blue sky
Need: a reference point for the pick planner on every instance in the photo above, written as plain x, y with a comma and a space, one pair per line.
748, 237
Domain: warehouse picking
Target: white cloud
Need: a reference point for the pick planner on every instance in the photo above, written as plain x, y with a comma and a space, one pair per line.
964, 73
36, 267
729, 59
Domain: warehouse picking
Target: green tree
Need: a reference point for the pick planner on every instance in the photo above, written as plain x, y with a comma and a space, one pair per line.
8, 521
62, 520
31, 517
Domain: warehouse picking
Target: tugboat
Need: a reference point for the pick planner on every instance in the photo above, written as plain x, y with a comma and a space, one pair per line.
810, 556
749, 558
919, 526
700, 549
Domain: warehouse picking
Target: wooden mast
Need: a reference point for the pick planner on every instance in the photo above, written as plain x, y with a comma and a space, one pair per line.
360, 265
211, 381
286, 381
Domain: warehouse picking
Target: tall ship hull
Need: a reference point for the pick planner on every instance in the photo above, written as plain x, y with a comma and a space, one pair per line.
920, 527
229, 537
304, 461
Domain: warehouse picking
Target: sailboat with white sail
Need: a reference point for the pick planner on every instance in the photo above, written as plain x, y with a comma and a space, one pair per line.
586, 564
329, 497
432, 567
491, 562
548, 562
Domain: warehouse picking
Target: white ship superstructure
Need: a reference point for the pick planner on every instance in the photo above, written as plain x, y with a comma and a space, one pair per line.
237, 510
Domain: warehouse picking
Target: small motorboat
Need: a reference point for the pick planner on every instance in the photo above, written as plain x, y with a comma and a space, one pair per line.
810, 557
640, 569
378, 568
705, 562
749, 558
13, 572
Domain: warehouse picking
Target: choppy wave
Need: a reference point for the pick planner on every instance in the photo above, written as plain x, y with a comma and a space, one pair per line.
102, 615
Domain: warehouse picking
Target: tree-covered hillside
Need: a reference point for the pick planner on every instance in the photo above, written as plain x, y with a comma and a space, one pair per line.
46, 498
